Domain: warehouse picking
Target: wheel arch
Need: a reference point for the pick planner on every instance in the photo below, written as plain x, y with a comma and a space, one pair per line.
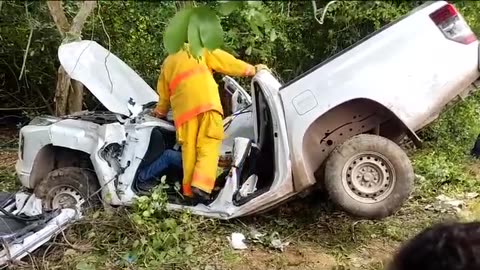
51, 157
348, 119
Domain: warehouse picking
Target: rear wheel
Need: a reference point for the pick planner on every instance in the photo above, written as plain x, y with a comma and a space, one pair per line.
369, 176
69, 187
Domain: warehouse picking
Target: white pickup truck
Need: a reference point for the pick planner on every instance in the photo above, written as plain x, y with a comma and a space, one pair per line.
334, 127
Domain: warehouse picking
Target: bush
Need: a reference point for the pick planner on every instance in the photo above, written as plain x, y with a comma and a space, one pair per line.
445, 160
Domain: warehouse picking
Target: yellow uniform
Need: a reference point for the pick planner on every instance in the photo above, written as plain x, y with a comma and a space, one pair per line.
187, 85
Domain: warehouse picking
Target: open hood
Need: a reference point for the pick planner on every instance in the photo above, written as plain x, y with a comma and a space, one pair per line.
112, 81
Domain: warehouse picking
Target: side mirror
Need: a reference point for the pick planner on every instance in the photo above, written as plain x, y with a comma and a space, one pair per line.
241, 150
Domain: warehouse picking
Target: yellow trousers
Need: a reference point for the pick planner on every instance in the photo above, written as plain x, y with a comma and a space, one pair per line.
201, 139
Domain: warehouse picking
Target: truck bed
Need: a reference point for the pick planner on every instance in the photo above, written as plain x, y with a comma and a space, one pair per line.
408, 66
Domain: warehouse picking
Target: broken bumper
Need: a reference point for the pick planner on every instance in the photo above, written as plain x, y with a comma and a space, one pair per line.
25, 226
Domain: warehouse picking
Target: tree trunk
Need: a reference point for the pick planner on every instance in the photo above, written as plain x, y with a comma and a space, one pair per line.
75, 98
61, 92
81, 17
58, 15
69, 93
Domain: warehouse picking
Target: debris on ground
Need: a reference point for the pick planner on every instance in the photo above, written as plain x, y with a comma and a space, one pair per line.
445, 204
236, 241
276, 243
272, 241
256, 236
471, 195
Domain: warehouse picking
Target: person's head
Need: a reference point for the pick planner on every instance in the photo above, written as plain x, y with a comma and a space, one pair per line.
454, 246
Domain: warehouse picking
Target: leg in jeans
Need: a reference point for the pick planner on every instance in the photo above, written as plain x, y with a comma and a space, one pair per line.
168, 159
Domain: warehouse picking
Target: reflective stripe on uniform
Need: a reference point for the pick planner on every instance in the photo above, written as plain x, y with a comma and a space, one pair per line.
180, 120
202, 182
185, 75
187, 190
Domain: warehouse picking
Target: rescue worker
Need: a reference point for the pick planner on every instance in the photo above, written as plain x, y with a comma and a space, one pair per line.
187, 86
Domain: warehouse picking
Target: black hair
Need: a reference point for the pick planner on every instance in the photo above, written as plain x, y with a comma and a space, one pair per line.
452, 246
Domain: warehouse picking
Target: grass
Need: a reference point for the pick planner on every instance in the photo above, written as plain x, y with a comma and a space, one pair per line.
320, 236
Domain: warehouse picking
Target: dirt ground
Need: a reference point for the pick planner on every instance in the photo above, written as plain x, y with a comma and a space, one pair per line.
368, 256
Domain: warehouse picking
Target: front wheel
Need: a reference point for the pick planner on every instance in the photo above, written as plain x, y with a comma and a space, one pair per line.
369, 176
69, 187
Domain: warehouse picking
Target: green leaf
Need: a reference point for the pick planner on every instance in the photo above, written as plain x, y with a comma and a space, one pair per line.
228, 7
135, 243
211, 32
176, 33
189, 249
259, 18
273, 35
255, 29
254, 3
84, 266
170, 223
194, 39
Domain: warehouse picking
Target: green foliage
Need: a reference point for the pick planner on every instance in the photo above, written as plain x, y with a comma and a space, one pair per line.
204, 31
211, 32
227, 7
349, 21
469, 10
165, 236
41, 64
456, 129
444, 162
282, 35
177, 31
201, 28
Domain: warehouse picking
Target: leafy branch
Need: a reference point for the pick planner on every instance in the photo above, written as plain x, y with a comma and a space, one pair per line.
200, 26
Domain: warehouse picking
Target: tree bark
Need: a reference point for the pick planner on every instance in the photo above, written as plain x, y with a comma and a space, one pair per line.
81, 17
61, 92
75, 97
58, 15
69, 93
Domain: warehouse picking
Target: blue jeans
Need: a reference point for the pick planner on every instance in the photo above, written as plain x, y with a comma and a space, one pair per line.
167, 159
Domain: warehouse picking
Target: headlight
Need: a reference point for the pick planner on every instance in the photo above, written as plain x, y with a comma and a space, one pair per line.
43, 121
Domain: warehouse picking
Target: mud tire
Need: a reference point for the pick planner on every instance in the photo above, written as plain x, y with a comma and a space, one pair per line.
389, 165
82, 182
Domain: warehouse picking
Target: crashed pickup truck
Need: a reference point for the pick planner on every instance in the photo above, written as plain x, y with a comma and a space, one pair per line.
336, 127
